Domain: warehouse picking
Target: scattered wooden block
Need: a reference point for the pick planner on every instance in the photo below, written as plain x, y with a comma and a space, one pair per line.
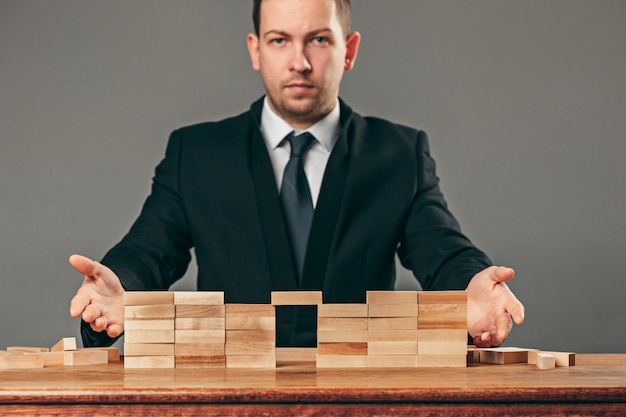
149, 362
391, 297
85, 357
20, 361
560, 358
342, 310
296, 298
198, 297
473, 355
112, 352
67, 343
545, 360
27, 349
142, 298
503, 355
50, 358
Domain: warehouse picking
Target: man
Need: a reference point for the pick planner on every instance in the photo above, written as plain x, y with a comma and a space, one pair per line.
265, 215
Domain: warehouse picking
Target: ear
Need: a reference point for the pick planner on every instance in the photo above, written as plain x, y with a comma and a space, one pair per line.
253, 50
352, 48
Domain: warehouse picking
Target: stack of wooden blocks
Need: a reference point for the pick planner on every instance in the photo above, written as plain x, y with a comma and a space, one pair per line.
342, 335
250, 336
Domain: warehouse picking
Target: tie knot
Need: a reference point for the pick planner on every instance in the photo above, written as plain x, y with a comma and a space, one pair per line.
300, 143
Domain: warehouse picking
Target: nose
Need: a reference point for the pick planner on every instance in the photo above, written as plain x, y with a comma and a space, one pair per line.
299, 61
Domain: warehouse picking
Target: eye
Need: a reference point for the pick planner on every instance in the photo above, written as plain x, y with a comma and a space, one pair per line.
278, 41
320, 39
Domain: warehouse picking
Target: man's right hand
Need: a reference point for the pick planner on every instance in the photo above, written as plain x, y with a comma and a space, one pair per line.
100, 300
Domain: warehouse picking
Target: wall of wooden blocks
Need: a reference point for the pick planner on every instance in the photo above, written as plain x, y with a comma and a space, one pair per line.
392, 329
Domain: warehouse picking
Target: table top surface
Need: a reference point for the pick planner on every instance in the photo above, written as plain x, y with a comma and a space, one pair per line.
594, 378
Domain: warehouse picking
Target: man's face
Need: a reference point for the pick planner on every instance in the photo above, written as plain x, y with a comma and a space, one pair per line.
301, 53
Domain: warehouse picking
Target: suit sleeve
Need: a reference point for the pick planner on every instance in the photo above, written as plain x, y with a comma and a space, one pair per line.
433, 246
155, 253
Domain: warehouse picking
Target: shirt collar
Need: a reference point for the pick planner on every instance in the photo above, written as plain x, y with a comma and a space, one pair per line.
274, 128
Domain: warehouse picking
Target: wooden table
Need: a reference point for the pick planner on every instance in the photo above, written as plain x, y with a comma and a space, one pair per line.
595, 386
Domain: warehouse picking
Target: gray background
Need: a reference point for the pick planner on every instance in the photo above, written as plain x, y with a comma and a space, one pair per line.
524, 102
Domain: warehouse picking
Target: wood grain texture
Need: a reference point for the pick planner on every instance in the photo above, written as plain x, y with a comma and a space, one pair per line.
296, 298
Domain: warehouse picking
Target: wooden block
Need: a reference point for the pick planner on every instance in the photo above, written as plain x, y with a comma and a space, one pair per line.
250, 348
560, 358
83, 357
250, 310
27, 349
67, 343
296, 298
442, 316
342, 310
545, 360
154, 311
389, 323
201, 362
148, 324
199, 349
251, 361
441, 297
149, 362
503, 355
250, 336
200, 323
198, 311
149, 336
392, 361
342, 323
296, 354
333, 336
112, 352
198, 297
473, 355
392, 336
442, 342
391, 297
392, 348
21, 361
50, 358
142, 298
200, 336
441, 361
148, 349
393, 310
341, 361
240, 322
357, 348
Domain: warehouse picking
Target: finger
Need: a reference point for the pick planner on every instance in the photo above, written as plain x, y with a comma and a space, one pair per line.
516, 309
504, 324
502, 274
78, 304
91, 313
100, 323
95, 327
114, 330
83, 265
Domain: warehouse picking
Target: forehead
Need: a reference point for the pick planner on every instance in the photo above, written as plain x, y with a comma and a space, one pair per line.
298, 16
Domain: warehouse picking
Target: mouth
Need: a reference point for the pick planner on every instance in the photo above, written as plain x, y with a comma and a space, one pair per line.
299, 87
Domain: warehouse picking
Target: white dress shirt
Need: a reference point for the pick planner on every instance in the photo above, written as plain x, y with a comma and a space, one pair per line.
326, 131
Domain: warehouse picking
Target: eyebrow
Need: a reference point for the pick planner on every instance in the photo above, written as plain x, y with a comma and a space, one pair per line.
285, 34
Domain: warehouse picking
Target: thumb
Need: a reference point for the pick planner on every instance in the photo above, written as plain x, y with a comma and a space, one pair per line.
502, 274
83, 265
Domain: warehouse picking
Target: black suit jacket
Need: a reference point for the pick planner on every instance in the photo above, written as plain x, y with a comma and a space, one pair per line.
215, 191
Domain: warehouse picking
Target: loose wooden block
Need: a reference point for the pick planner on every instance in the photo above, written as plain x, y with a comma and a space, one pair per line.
342, 323
67, 343
21, 361
154, 311
139, 298
149, 324
389, 323
201, 362
251, 361
250, 310
392, 310
50, 358
296, 298
296, 354
357, 348
341, 361
441, 297
392, 336
473, 356
503, 355
149, 336
545, 360
85, 357
392, 348
200, 311
342, 310
392, 361
332, 336
112, 352
198, 297
200, 323
200, 336
199, 349
27, 349
149, 362
250, 348
148, 349
391, 297
560, 358
441, 361
240, 322
442, 316
250, 336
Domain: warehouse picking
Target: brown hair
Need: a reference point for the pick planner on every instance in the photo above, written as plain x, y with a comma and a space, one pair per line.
343, 13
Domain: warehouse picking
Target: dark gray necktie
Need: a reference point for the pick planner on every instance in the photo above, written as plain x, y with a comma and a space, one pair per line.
295, 197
